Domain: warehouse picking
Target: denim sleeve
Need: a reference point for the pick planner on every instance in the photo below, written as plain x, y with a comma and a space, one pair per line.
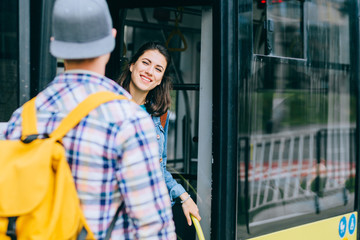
175, 189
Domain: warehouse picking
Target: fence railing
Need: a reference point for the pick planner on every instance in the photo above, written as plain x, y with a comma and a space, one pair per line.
286, 167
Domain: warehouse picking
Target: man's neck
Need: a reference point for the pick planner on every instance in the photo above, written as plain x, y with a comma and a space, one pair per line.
96, 65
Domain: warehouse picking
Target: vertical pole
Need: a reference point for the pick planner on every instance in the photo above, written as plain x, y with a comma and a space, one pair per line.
204, 184
47, 63
24, 51
225, 125
354, 38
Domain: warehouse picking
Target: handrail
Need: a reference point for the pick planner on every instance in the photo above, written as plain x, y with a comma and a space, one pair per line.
246, 190
176, 31
198, 229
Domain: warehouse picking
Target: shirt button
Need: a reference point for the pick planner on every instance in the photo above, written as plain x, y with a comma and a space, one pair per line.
158, 136
160, 159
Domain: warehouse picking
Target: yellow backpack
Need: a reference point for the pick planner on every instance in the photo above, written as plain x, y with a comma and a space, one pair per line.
38, 199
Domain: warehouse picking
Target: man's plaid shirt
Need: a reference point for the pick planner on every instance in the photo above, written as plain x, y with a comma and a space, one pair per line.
113, 156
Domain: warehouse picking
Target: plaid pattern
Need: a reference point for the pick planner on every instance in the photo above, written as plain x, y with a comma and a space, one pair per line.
113, 156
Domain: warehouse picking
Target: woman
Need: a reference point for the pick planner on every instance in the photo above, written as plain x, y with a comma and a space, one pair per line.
147, 79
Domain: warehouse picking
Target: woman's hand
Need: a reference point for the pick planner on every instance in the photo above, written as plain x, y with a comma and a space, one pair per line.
189, 207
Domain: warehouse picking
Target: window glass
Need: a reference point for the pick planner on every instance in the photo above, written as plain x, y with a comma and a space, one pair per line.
297, 154
8, 59
278, 28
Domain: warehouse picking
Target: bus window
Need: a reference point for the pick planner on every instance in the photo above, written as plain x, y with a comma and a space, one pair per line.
297, 157
278, 28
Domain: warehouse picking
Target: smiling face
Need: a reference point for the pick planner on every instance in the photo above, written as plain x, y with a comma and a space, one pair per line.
147, 72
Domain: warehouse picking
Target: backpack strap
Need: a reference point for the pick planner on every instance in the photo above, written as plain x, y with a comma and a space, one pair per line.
72, 119
112, 224
163, 119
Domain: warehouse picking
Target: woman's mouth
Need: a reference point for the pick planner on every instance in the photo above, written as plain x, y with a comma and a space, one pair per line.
145, 78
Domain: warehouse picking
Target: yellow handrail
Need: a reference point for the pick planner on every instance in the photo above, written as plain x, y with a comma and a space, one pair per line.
197, 225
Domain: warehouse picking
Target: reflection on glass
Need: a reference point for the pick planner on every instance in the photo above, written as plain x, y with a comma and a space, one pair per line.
297, 158
278, 28
285, 31
8, 58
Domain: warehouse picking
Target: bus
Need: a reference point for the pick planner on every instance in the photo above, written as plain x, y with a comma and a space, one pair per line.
265, 105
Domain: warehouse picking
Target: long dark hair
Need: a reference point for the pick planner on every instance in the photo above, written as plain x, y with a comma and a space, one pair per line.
158, 99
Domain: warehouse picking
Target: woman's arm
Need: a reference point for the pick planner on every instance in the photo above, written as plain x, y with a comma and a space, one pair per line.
175, 189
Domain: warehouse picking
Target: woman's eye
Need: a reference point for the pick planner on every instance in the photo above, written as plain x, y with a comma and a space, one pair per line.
159, 69
145, 62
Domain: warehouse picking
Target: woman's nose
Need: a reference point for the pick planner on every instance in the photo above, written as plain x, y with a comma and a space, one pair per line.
149, 70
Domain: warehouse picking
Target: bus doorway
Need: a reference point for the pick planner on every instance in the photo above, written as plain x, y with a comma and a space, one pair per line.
187, 32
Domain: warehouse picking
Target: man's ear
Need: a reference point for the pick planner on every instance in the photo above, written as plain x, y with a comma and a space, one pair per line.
114, 32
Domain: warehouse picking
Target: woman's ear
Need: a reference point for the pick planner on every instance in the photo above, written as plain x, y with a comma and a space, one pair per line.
131, 67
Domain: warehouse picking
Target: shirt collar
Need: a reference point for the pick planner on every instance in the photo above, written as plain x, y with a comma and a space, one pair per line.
83, 71
89, 77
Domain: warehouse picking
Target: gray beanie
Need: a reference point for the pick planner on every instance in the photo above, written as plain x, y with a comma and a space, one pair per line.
81, 29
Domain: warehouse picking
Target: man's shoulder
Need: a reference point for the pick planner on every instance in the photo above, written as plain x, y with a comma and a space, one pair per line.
125, 109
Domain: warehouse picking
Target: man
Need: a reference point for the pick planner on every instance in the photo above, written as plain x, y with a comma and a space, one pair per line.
113, 152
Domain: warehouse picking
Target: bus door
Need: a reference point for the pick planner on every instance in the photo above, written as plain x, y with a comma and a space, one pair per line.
186, 29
